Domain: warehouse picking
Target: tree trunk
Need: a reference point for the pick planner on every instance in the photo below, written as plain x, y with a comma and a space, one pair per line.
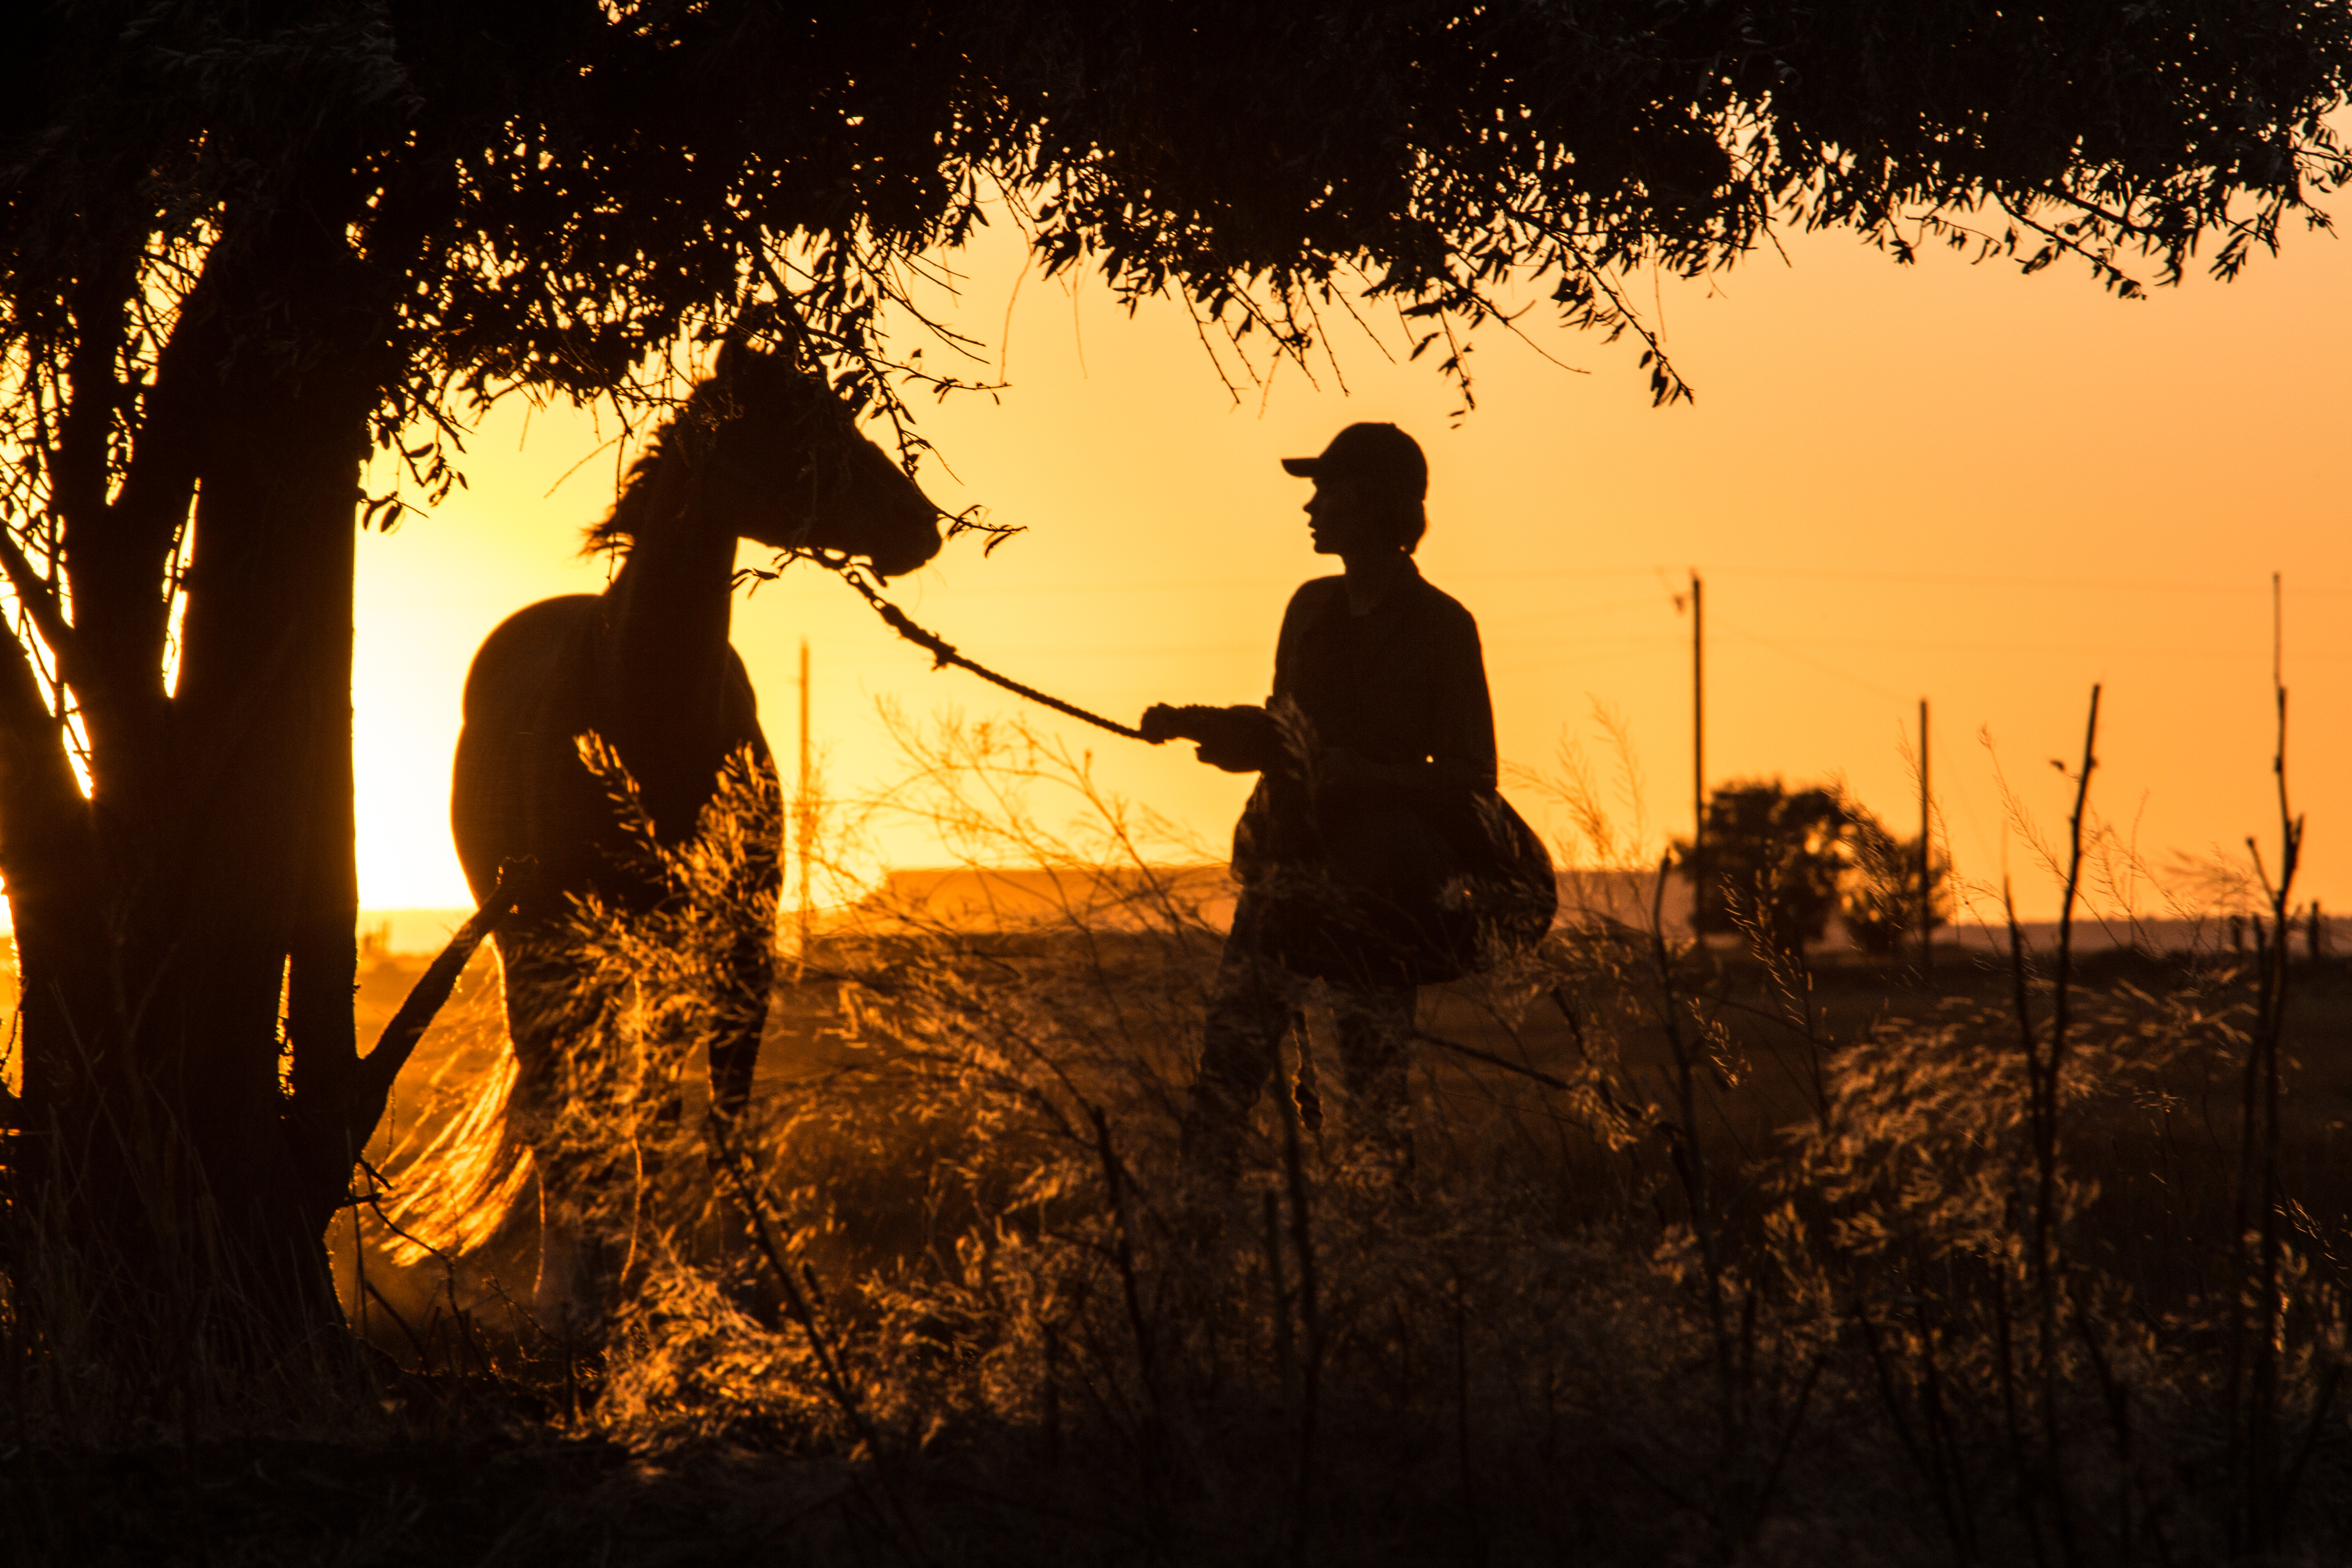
186, 936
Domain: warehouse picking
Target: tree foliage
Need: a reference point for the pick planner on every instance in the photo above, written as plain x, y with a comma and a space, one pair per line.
1266, 162
1775, 863
240, 240
1770, 862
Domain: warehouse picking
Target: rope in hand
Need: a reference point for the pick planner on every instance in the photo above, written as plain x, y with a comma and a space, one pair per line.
943, 652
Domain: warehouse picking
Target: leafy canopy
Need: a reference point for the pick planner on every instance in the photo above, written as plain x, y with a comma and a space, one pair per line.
548, 195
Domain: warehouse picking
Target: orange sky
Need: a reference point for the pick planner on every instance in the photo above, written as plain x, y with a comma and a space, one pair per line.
1942, 481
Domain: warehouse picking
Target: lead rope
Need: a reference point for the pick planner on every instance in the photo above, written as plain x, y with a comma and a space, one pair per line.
943, 652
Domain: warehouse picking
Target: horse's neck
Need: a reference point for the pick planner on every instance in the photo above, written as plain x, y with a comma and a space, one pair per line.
666, 625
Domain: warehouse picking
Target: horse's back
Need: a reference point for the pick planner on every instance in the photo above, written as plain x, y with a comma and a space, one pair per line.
519, 787
524, 652
526, 696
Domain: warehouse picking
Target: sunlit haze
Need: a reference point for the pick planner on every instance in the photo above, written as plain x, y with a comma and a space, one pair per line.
1942, 481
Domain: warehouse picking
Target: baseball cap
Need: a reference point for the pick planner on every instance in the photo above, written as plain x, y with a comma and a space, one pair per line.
1380, 454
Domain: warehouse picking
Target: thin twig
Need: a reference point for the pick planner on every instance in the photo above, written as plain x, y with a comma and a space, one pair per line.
1491, 1060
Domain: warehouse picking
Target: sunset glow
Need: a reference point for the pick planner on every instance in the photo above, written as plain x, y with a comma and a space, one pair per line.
1937, 481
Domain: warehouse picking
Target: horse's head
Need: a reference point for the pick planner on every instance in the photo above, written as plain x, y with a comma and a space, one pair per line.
787, 467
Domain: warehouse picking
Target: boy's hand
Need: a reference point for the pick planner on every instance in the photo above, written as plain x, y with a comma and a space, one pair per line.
1160, 723
1226, 738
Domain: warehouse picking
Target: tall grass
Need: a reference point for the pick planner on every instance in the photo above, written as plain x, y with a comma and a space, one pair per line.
1711, 1253
143, 1329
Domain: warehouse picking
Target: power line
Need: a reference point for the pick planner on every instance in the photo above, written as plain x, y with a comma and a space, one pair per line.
1272, 581
1787, 573
2072, 584
2149, 650
1786, 652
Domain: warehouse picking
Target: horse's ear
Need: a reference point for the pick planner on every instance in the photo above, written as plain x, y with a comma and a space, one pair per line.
736, 346
731, 349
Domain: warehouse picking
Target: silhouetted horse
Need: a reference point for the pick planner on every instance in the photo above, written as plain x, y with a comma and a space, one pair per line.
759, 451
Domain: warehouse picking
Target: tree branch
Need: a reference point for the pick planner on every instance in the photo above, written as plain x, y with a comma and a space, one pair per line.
102, 328
371, 1087
40, 597
43, 823
118, 563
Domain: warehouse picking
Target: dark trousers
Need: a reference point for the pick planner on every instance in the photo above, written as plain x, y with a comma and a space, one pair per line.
1252, 1004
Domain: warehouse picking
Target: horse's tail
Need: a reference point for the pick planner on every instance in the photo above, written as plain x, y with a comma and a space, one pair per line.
455, 1193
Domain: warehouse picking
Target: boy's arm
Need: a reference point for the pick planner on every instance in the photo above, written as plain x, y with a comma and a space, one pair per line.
1242, 739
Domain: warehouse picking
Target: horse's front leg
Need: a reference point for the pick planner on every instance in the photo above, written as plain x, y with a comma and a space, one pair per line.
743, 1019
747, 982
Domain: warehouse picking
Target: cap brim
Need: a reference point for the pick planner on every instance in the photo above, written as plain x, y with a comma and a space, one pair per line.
1303, 466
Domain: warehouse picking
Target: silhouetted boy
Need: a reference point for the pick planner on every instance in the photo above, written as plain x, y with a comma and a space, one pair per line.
1378, 715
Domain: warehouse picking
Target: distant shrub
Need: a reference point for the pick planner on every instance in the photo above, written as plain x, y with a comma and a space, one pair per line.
1769, 858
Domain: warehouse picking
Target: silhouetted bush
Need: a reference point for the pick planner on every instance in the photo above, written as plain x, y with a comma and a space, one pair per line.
1771, 855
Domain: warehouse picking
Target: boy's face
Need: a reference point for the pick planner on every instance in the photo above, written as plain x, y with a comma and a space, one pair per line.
1340, 520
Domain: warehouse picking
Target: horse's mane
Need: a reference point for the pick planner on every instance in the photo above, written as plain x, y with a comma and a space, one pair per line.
622, 524
770, 381
619, 527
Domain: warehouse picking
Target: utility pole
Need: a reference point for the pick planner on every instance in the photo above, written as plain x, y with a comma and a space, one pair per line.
1698, 714
1927, 855
803, 824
